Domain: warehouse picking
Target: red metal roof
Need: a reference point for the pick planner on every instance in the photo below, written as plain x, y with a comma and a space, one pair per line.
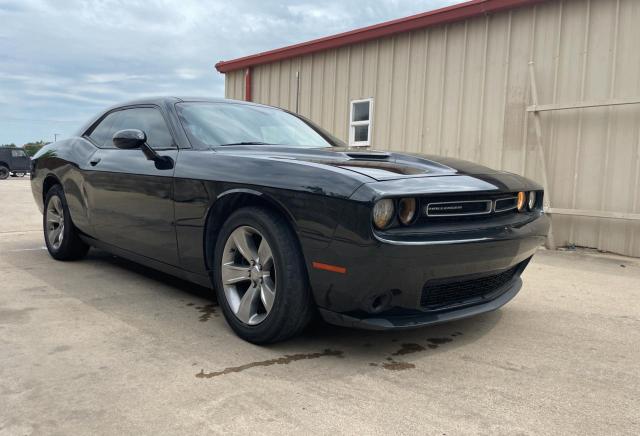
449, 14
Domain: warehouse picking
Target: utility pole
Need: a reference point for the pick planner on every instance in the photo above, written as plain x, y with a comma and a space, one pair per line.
55, 137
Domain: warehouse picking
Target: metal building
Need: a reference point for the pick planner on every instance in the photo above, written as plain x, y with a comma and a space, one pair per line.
545, 88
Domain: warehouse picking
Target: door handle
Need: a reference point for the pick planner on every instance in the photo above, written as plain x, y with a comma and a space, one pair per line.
95, 161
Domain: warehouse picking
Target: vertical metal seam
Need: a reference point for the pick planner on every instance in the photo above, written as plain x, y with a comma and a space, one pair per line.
405, 113
334, 92
525, 131
279, 93
461, 88
348, 85
311, 93
636, 193
390, 93
612, 85
268, 76
372, 124
362, 68
552, 120
321, 82
507, 61
585, 55
425, 70
443, 70
483, 86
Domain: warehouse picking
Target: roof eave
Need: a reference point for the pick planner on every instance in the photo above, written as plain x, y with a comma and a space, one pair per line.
445, 15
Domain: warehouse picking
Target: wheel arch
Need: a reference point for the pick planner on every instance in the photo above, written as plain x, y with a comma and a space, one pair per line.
228, 202
49, 182
4, 164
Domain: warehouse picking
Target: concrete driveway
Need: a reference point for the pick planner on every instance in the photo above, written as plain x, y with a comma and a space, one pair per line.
103, 346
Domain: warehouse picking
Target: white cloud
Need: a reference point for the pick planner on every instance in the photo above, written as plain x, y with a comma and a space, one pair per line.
67, 59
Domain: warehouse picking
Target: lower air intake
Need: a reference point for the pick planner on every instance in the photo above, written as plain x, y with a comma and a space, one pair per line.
441, 293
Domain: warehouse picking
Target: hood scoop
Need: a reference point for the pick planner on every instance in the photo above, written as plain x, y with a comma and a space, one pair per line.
369, 155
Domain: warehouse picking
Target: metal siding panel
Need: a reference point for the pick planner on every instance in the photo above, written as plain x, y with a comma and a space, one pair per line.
398, 94
498, 42
340, 111
381, 113
462, 89
453, 66
412, 123
434, 89
473, 88
517, 90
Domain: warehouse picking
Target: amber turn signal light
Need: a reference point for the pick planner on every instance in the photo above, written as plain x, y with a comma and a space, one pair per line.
522, 201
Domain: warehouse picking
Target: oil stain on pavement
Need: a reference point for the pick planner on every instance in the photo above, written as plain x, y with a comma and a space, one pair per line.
285, 360
409, 348
390, 364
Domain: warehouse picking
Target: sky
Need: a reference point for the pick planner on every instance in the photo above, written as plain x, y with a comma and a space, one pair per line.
63, 61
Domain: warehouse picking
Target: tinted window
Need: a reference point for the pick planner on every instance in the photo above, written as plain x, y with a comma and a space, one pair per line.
149, 120
104, 131
17, 153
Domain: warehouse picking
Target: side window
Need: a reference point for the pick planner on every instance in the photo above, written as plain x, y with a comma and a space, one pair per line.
149, 120
104, 131
360, 119
17, 153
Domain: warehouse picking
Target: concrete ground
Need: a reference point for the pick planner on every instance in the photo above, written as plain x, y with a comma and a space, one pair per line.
103, 346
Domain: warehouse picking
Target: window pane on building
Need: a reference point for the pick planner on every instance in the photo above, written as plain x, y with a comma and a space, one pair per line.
361, 134
361, 111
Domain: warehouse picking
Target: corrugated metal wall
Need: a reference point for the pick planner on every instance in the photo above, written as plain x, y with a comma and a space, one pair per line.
462, 90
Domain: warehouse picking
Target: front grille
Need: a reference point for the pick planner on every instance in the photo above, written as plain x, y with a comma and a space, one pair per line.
476, 207
441, 293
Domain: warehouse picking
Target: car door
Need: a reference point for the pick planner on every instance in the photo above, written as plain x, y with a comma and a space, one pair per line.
19, 161
129, 199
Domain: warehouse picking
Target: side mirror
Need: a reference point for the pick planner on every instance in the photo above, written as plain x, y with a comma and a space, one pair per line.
129, 139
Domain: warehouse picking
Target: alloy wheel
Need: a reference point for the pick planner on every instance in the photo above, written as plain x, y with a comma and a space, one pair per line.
248, 275
55, 222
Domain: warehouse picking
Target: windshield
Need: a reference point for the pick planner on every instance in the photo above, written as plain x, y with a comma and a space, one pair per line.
219, 124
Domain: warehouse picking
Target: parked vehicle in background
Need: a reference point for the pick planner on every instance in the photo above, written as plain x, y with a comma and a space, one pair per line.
284, 221
14, 162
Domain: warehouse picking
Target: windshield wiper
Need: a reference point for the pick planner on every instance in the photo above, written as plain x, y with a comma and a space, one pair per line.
247, 143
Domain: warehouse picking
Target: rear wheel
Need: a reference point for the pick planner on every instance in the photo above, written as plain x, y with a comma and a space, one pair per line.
4, 172
260, 277
60, 235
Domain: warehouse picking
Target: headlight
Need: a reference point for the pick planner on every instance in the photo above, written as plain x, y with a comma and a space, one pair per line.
532, 200
522, 201
406, 210
383, 212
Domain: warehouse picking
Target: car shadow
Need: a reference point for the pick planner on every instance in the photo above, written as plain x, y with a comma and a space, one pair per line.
388, 350
378, 348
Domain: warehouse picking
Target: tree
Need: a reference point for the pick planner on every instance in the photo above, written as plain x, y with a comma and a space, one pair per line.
32, 148
12, 145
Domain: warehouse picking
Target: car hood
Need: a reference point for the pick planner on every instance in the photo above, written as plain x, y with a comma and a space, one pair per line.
375, 164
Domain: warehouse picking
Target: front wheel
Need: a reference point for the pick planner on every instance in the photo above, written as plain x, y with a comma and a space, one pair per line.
4, 172
60, 235
260, 277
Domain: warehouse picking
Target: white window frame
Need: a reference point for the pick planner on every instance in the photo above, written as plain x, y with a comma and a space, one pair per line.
353, 124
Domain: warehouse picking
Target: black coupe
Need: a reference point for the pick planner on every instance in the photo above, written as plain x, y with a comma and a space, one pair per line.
284, 221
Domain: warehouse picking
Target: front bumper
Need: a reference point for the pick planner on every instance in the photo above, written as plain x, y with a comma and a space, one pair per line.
399, 322
400, 272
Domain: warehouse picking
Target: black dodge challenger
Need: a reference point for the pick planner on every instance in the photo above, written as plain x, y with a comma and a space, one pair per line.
284, 221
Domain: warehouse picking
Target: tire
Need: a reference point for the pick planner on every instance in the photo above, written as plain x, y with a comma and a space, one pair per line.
279, 268
67, 245
4, 172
